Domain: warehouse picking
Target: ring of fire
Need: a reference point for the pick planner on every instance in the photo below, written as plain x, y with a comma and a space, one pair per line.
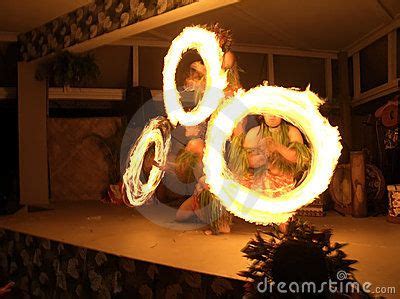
157, 132
207, 45
299, 108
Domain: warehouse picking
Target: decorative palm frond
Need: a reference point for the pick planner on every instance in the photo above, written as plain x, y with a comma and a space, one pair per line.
294, 252
69, 69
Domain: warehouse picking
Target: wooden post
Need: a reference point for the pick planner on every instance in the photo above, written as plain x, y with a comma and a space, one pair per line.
135, 66
328, 79
344, 101
392, 56
357, 165
356, 75
32, 118
271, 70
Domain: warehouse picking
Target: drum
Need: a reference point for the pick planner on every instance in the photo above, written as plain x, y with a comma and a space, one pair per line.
340, 189
394, 203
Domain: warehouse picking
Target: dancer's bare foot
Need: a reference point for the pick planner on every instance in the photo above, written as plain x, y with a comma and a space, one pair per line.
222, 229
208, 232
284, 227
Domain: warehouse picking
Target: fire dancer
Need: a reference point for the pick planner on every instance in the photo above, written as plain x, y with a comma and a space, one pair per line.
276, 156
202, 203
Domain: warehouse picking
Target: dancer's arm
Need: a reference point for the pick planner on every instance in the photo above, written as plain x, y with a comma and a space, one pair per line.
229, 60
199, 67
288, 153
227, 63
168, 167
255, 155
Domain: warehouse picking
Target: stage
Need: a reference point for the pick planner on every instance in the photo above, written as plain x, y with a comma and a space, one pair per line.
122, 231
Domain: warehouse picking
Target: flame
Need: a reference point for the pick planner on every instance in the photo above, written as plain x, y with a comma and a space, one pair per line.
206, 43
157, 132
298, 107
301, 109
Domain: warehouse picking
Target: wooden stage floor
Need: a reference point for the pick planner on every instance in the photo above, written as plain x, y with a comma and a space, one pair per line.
123, 231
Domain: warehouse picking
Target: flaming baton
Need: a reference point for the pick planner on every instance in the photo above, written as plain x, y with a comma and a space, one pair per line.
301, 109
157, 132
206, 43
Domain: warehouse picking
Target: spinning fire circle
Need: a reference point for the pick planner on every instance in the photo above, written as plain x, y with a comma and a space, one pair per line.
206, 43
299, 108
157, 133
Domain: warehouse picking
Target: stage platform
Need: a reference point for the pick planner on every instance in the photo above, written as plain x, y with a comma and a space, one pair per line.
125, 232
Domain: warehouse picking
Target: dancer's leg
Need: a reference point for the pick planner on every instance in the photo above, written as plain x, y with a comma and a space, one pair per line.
186, 211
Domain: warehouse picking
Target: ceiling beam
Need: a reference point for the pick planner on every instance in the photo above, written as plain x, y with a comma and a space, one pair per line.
372, 36
265, 49
8, 36
142, 42
154, 22
246, 48
158, 34
385, 9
